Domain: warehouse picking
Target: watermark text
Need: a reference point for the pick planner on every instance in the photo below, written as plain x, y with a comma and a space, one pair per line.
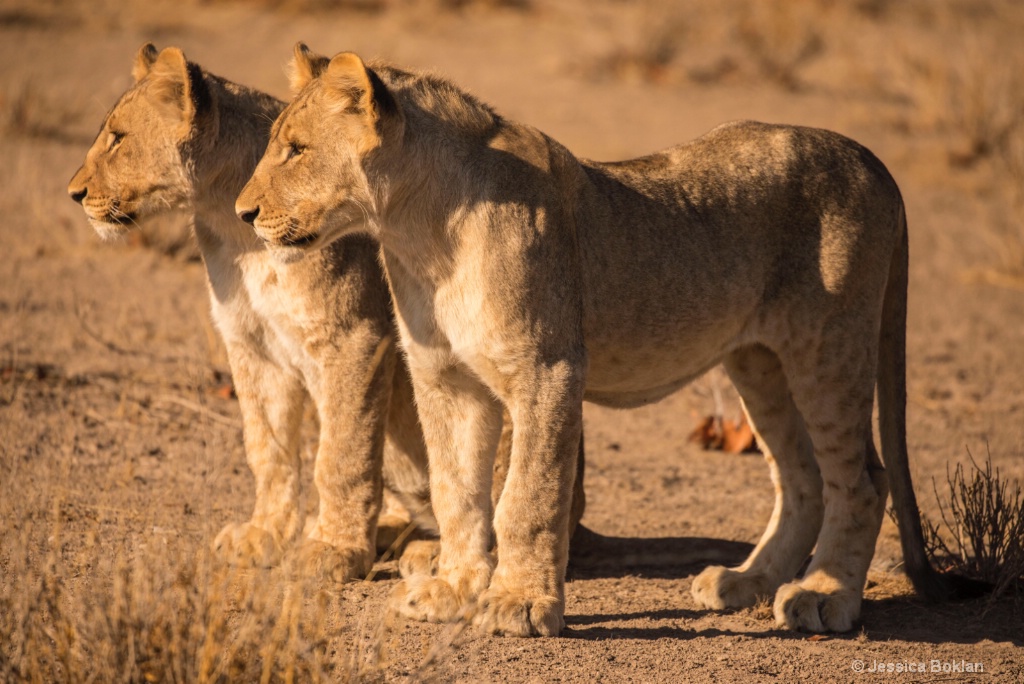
916, 666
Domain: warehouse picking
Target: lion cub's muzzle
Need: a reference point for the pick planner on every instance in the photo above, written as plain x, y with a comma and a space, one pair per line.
277, 233
105, 211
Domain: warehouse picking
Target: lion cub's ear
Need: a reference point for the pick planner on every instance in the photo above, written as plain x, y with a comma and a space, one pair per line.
179, 84
304, 67
144, 59
355, 87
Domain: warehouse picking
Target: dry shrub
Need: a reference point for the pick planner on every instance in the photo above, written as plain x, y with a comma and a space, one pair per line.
985, 98
28, 112
648, 38
981, 533
968, 81
315, 6
381, 6
456, 5
781, 38
967, 84
709, 42
167, 615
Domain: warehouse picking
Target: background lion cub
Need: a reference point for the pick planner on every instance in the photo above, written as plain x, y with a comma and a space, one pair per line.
320, 328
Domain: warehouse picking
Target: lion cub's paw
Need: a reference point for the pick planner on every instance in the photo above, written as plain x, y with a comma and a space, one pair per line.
514, 614
419, 558
326, 563
247, 546
390, 528
427, 599
718, 587
797, 607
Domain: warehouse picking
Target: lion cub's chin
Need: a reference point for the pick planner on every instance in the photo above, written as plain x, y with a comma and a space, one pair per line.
107, 231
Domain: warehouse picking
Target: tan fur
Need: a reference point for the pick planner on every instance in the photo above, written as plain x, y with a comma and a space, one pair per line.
523, 277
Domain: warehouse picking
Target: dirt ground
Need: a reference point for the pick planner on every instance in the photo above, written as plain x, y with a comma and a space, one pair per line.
112, 428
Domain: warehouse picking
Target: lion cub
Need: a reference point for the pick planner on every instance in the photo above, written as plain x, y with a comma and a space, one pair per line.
320, 328
526, 278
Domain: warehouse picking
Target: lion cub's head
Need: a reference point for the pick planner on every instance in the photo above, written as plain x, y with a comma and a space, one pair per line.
317, 154
134, 168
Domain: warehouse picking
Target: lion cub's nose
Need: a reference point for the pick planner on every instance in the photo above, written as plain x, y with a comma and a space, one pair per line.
248, 215
78, 194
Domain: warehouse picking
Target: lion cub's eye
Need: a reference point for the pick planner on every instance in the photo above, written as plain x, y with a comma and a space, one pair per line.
294, 150
115, 139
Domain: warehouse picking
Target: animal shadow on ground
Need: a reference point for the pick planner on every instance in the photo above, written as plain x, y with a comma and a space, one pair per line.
596, 556
903, 616
911, 618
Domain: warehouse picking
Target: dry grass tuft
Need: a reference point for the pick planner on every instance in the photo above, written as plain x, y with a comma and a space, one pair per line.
167, 615
762, 610
981, 533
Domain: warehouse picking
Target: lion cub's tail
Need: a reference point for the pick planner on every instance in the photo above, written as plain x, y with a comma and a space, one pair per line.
892, 424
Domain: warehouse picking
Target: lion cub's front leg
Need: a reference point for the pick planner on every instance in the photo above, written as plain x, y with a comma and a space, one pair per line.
352, 390
271, 399
527, 593
461, 424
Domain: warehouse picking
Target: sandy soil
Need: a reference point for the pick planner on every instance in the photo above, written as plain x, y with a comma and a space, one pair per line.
110, 418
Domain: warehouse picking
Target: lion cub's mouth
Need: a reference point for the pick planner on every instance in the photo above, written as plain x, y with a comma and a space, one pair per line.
113, 218
299, 240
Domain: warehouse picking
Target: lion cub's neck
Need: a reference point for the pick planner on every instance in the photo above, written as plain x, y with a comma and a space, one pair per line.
221, 162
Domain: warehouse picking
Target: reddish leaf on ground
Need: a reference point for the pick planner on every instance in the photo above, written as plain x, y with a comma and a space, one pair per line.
730, 436
225, 391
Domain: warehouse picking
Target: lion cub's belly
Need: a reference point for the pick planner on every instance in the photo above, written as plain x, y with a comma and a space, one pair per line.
627, 378
632, 365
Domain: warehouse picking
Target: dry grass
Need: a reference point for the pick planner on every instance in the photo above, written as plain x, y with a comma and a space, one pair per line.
981, 530
165, 615
124, 607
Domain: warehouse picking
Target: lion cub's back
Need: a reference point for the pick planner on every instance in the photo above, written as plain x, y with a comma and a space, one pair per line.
698, 240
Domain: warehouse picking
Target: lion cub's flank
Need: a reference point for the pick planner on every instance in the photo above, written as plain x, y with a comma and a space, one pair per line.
320, 328
526, 278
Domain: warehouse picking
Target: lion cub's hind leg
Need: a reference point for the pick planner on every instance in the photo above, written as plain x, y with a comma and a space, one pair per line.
272, 402
834, 388
796, 520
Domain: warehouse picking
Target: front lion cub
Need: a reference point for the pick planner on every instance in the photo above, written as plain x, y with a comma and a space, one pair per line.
526, 278
318, 328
